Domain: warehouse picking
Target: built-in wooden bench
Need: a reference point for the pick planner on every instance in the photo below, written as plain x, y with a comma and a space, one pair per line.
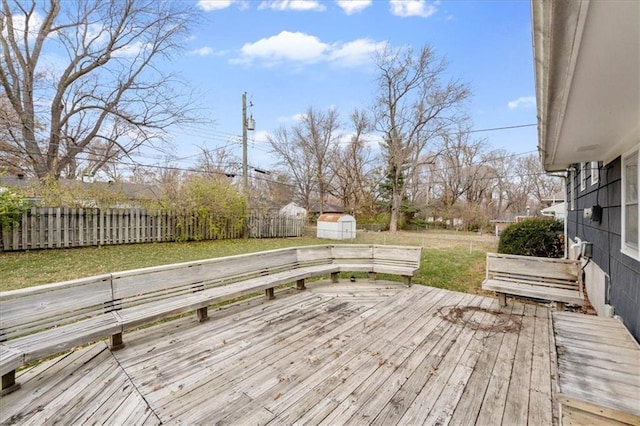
39, 321
541, 278
598, 370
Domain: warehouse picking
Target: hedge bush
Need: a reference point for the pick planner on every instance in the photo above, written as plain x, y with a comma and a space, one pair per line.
533, 237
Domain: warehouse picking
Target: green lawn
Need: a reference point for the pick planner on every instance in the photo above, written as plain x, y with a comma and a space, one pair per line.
449, 260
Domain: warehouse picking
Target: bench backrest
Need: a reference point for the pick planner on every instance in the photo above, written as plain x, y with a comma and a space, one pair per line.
313, 255
234, 268
146, 285
562, 272
150, 284
352, 253
401, 256
35, 309
38, 308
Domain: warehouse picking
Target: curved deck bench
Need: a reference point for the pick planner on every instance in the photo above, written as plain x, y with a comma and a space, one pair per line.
36, 322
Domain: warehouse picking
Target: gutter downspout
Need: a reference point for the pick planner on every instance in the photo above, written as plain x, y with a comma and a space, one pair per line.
566, 217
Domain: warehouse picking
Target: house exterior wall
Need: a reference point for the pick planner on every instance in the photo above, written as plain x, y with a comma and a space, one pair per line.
622, 290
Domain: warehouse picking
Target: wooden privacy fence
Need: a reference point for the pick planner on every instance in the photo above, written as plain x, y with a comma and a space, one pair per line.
48, 227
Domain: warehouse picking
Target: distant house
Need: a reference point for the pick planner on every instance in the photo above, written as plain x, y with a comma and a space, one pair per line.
587, 59
556, 206
500, 225
556, 211
129, 194
293, 210
316, 209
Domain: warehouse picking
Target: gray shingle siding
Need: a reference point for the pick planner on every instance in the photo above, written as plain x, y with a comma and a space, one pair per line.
624, 272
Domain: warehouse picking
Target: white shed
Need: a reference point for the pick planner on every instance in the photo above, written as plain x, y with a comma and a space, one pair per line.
336, 226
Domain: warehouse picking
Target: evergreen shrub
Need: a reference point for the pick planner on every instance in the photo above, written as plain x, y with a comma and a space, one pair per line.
540, 237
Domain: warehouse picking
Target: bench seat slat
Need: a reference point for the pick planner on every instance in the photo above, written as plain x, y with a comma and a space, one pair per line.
533, 281
526, 290
59, 339
355, 267
10, 359
397, 270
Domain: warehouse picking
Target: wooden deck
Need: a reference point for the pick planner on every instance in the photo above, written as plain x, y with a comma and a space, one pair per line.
599, 370
346, 353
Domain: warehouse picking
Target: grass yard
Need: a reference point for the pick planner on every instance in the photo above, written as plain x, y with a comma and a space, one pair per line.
450, 260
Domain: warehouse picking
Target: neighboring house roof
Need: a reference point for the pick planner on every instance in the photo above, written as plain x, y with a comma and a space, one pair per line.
555, 198
554, 210
327, 208
502, 220
587, 63
15, 181
131, 191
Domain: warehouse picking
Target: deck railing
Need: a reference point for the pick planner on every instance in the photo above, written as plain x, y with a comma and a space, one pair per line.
61, 227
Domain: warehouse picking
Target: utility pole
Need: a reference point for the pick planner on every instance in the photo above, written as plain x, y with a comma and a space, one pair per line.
245, 173
247, 124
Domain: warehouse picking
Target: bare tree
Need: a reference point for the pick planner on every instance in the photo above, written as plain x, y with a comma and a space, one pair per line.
220, 161
109, 89
296, 162
317, 135
11, 160
306, 153
521, 182
352, 167
413, 105
461, 171
543, 186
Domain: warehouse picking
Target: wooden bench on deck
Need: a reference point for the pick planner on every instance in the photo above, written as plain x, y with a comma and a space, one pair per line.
40, 321
598, 370
541, 278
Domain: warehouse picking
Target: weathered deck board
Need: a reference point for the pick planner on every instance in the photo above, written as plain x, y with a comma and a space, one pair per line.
347, 353
80, 387
599, 370
541, 371
517, 404
492, 409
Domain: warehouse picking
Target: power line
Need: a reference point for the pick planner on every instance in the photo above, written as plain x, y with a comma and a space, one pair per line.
492, 129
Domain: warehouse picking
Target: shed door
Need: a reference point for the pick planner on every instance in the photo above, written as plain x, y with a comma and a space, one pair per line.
346, 230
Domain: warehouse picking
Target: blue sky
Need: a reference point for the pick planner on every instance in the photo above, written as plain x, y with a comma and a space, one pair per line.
289, 55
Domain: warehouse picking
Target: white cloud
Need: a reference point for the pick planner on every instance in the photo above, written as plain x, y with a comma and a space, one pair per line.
406, 8
355, 52
132, 49
261, 136
523, 101
19, 21
301, 49
211, 5
353, 6
202, 51
286, 46
297, 5
207, 51
295, 118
